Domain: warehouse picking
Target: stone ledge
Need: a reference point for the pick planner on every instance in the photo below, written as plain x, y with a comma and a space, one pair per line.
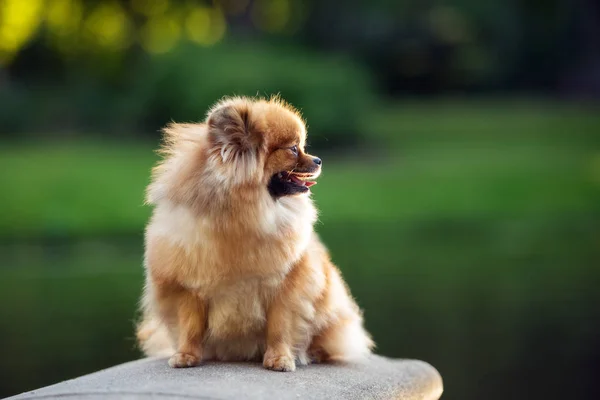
375, 378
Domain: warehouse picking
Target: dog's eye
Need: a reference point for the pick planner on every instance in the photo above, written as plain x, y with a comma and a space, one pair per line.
294, 149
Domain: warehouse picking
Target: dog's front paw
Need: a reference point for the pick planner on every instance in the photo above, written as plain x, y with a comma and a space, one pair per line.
279, 362
183, 360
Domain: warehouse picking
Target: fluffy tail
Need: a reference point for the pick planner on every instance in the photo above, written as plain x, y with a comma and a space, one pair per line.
153, 338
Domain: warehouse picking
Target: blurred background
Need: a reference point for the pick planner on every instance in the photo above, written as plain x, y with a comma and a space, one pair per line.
460, 194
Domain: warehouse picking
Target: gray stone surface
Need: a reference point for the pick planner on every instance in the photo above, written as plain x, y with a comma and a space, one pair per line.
376, 378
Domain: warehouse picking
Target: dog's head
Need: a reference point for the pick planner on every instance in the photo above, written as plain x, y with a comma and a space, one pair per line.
246, 148
262, 142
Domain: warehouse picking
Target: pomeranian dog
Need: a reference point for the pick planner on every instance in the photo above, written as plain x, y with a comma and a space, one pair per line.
234, 269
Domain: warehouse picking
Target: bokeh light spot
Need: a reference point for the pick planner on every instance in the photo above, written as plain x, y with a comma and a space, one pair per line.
19, 21
108, 26
205, 26
160, 34
64, 16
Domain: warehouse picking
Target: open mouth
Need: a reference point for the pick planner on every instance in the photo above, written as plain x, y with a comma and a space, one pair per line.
288, 183
296, 178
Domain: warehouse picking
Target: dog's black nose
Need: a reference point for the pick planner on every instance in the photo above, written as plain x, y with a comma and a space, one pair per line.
317, 161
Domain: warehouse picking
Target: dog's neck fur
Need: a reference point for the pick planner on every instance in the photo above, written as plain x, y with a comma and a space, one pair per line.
224, 192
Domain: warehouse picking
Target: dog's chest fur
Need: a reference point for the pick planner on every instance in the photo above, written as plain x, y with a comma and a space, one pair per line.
236, 271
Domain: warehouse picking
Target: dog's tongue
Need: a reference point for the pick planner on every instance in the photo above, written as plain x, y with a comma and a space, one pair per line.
297, 181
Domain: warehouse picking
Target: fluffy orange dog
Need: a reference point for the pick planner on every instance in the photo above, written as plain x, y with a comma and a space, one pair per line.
234, 269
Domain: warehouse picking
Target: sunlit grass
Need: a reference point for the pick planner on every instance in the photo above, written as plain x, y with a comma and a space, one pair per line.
440, 162
74, 188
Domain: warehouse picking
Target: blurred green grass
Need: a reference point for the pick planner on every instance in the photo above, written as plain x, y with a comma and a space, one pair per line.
440, 159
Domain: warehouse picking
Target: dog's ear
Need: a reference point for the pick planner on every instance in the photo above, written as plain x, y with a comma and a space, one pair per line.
232, 127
